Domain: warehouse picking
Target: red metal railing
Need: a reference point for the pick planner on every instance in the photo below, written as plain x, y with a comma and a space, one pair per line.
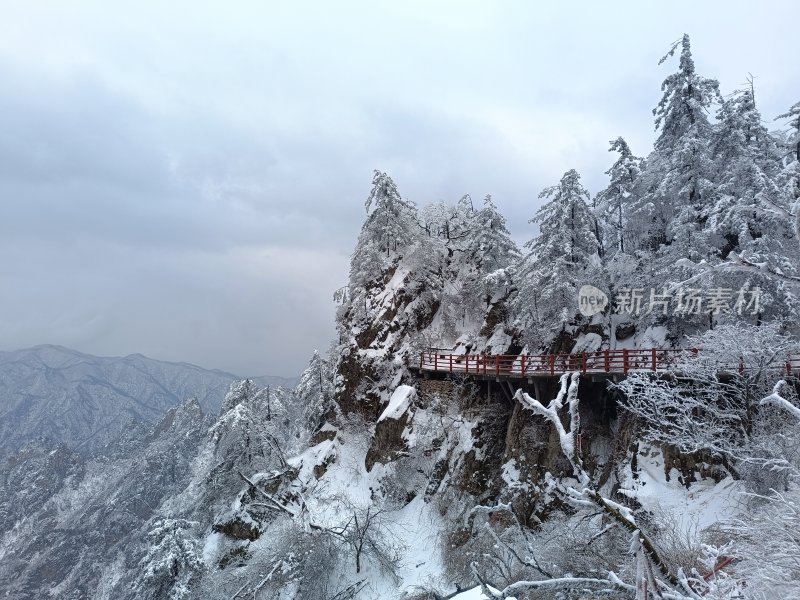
601, 361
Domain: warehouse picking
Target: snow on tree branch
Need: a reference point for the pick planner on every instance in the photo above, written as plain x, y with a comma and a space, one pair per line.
569, 388
777, 399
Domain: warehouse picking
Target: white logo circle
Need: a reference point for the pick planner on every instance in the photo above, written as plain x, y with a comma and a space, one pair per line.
591, 300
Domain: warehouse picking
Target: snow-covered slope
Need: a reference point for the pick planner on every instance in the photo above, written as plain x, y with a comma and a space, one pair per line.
65, 518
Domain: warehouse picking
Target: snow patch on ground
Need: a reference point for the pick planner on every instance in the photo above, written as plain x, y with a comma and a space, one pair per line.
415, 527
589, 342
210, 548
653, 337
418, 527
701, 505
398, 403
473, 594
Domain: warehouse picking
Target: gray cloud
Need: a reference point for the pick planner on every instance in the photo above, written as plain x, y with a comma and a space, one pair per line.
188, 182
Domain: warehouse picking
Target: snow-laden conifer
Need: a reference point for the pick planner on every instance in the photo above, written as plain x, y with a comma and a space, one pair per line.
313, 394
679, 175
747, 163
559, 258
613, 204
487, 250
173, 562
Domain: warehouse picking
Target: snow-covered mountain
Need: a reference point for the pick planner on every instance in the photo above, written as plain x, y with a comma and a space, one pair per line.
64, 517
85, 401
120, 523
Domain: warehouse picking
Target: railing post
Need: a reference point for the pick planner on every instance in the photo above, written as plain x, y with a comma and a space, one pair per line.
625, 361
436, 362
605, 360
466, 365
421, 360
583, 361
451, 363
654, 359
522, 365
552, 365
497, 364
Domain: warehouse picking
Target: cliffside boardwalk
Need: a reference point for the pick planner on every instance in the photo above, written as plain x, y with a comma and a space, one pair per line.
600, 362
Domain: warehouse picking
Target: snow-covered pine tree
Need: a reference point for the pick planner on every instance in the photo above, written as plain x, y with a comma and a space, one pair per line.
613, 204
393, 221
462, 216
434, 218
679, 174
748, 162
790, 175
793, 142
559, 260
173, 562
313, 394
477, 278
449, 222
251, 433
441, 262
388, 231
756, 209
488, 248
750, 222
785, 207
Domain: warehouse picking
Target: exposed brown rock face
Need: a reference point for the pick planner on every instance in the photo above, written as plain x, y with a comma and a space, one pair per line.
238, 529
534, 446
428, 387
563, 343
690, 466
497, 316
387, 441
625, 330
354, 394
323, 435
376, 346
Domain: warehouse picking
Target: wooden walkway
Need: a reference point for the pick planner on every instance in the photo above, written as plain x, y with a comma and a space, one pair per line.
602, 362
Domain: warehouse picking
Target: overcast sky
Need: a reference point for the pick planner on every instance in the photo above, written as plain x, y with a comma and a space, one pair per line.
187, 179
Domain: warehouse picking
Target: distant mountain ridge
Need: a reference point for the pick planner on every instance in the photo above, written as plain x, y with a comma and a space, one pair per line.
86, 401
